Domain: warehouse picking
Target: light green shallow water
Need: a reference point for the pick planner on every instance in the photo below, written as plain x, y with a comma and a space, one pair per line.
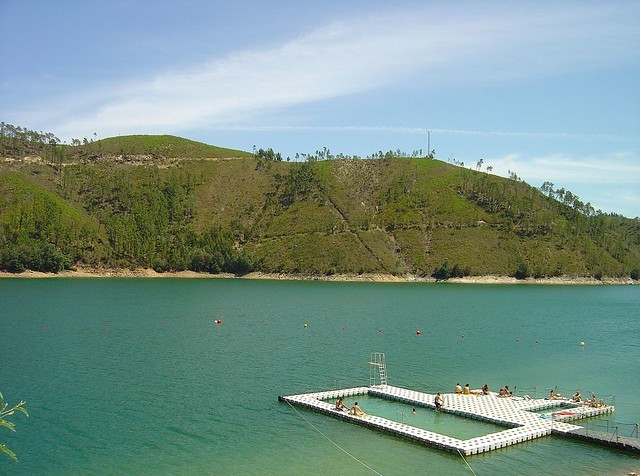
421, 417
132, 376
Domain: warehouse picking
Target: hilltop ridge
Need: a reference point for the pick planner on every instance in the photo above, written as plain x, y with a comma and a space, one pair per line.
84, 205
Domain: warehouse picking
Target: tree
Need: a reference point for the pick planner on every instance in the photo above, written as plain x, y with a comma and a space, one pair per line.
4, 412
547, 187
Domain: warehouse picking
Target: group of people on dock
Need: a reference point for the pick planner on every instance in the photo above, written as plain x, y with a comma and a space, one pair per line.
577, 398
354, 410
467, 391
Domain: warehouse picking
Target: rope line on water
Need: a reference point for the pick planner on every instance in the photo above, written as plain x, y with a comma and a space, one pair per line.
465, 462
334, 443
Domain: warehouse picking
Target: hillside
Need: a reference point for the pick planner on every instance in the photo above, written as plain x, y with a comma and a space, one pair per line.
393, 215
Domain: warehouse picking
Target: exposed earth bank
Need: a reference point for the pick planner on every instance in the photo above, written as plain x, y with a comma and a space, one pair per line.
85, 272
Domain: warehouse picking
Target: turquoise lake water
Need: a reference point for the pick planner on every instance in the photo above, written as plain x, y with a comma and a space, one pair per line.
133, 376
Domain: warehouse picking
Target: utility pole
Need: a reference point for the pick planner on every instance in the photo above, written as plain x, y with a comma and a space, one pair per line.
428, 143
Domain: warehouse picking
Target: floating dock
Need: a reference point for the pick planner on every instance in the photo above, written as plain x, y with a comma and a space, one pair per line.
515, 413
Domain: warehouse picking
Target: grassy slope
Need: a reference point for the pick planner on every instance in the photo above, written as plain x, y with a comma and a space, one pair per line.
158, 146
390, 216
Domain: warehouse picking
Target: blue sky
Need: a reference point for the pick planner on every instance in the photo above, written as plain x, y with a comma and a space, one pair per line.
549, 89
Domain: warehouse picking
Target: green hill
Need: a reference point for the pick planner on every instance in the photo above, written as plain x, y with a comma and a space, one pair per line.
392, 215
164, 146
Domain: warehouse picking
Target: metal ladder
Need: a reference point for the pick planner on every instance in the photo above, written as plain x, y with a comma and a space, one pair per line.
378, 371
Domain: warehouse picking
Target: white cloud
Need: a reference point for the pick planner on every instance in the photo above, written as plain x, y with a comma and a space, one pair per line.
618, 167
360, 54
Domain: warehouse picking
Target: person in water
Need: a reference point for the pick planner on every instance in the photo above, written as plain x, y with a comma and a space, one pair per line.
438, 401
340, 405
357, 411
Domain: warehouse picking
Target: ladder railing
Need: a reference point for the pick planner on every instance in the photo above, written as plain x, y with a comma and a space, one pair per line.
378, 371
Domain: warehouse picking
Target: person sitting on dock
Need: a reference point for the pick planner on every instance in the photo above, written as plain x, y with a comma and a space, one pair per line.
438, 401
554, 396
458, 389
504, 392
466, 390
341, 406
577, 397
591, 402
485, 389
357, 411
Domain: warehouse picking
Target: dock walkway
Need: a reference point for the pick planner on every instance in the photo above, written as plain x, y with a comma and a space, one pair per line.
515, 413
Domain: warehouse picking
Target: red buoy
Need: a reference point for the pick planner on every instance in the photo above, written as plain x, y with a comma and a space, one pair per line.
417, 333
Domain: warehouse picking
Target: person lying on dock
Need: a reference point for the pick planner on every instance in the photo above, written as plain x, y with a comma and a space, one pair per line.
577, 397
341, 406
438, 401
357, 411
458, 389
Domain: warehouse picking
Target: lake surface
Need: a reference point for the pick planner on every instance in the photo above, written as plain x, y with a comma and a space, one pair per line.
134, 376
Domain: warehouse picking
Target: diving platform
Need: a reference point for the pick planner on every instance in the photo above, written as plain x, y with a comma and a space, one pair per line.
520, 416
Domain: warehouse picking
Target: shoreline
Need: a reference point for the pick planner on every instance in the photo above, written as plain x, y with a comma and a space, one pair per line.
83, 272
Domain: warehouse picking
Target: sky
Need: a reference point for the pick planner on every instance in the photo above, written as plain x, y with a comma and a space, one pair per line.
548, 90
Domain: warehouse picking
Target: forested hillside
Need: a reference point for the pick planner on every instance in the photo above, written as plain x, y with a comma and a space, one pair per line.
171, 204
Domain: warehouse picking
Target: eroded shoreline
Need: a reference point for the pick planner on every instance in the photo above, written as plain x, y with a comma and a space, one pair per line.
380, 278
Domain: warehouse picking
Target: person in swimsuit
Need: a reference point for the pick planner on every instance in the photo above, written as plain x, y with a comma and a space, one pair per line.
340, 405
438, 401
356, 410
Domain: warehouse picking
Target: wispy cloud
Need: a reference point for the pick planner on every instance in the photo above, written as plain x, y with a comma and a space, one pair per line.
421, 131
618, 168
357, 55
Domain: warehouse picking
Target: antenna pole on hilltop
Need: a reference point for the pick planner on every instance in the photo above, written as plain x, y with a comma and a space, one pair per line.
428, 143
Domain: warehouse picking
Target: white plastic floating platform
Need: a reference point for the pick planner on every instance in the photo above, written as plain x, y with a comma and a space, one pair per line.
516, 413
